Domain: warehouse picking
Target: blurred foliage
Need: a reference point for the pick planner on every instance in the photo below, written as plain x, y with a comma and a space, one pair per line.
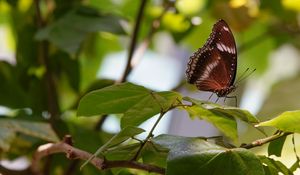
57, 48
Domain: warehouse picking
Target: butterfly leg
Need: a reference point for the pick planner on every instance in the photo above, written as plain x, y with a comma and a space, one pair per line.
210, 96
217, 100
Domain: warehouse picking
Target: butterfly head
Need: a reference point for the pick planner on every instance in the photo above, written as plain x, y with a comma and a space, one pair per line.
225, 91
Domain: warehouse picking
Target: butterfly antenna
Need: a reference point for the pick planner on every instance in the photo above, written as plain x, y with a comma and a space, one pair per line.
246, 76
243, 74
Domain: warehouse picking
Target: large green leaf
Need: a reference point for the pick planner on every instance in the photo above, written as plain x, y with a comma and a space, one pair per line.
136, 103
9, 128
152, 104
69, 31
197, 156
113, 99
225, 123
238, 113
222, 118
288, 122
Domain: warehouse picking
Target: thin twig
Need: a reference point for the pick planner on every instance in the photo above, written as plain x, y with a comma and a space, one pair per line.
43, 58
75, 153
133, 41
139, 52
149, 136
263, 141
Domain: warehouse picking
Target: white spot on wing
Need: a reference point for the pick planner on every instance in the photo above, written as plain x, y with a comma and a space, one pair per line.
222, 47
226, 28
209, 69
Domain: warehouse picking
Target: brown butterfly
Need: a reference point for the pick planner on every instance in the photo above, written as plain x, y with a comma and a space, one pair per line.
213, 66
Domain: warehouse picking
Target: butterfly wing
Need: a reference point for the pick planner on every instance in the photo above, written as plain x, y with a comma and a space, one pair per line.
213, 66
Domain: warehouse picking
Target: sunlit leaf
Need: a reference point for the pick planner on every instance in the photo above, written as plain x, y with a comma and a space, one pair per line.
238, 113
225, 123
175, 22
295, 166
190, 7
287, 122
136, 103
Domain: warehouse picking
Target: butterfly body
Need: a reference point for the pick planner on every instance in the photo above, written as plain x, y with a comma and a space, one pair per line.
213, 66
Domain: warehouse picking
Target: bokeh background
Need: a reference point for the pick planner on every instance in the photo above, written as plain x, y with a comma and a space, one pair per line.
52, 56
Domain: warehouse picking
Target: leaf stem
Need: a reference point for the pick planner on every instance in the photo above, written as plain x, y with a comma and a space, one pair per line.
294, 145
263, 141
149, 136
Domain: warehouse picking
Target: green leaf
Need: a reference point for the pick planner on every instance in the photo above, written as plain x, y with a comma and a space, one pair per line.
124, 135
196, 156
70, 30
155, 155
171, 142
136, 103
273, 166
295, 166
9, 128
275, 147
113, 99
151, 105
12, 94
122, 152
225, 123
238, 113
117, 139
288, 122
71, 68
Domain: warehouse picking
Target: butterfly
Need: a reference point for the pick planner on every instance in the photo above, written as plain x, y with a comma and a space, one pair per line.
213, 66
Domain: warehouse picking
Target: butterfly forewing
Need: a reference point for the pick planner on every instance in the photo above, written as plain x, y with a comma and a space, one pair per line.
213, 67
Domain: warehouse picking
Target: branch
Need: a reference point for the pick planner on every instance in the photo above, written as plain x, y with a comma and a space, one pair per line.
137, 55
43, 59
65, 146
263, 141
134, 40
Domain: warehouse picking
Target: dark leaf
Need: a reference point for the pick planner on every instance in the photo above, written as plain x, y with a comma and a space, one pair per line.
275, 147
70, 30
274, 166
